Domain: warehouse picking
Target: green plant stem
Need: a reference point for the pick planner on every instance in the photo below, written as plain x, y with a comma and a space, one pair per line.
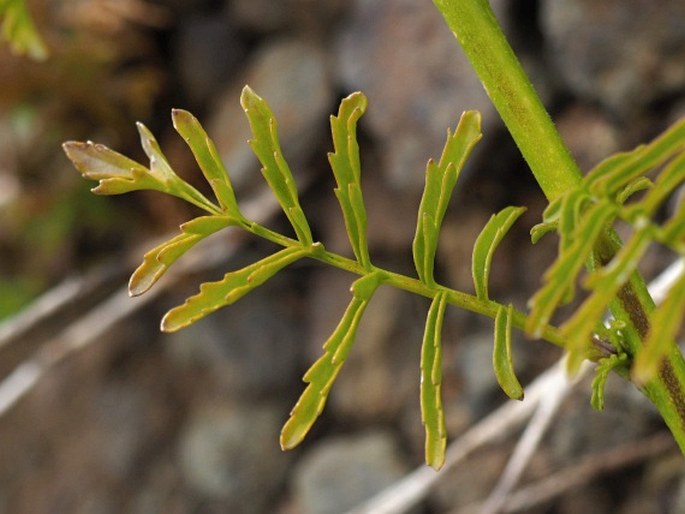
475, 27
506, 83
459, 299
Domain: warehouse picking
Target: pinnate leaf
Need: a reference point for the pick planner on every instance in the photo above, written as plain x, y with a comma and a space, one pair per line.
322, 374
486, 244
234, 285
158, 260
432, 413
266, 146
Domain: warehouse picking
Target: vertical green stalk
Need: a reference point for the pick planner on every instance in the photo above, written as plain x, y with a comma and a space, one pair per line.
476, 28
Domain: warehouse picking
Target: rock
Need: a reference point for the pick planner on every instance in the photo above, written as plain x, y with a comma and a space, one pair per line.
474, 363
265, 16
130, 420
200, 68
381, 374
339, 473
291, 75
470, 482
624, 54
579, 429
404, 58
232, 454
251, 347
589, 135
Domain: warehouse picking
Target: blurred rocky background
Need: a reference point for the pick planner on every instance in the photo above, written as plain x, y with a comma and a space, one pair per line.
130, 420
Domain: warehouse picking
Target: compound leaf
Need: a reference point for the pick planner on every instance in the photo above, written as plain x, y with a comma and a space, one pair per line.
501, 355
275, 169
234, 285
158, 260
485, 245
432, 413
322, 374
441, 178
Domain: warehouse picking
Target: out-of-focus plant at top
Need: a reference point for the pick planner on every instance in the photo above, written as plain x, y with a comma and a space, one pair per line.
19, 31
102, 71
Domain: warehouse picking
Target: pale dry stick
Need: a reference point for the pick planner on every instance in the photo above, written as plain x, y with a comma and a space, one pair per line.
525, 448
118, 306
660, 286
588, 469
76, 336
45, 305
74, 289
530, 439
55, 301
410, 490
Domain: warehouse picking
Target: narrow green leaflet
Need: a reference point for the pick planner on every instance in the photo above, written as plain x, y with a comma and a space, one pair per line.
158, 260
19, 31
571, 208
611, 175
432, 413
637, 185
485, 245
673, 232
207, 158
161, 170
118, 174
539, 230
347, 171
234, 285
562, 274
324, 371
664, 325
604, 367
501, 355
275, 169
668, 180
115, 172
440, 181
